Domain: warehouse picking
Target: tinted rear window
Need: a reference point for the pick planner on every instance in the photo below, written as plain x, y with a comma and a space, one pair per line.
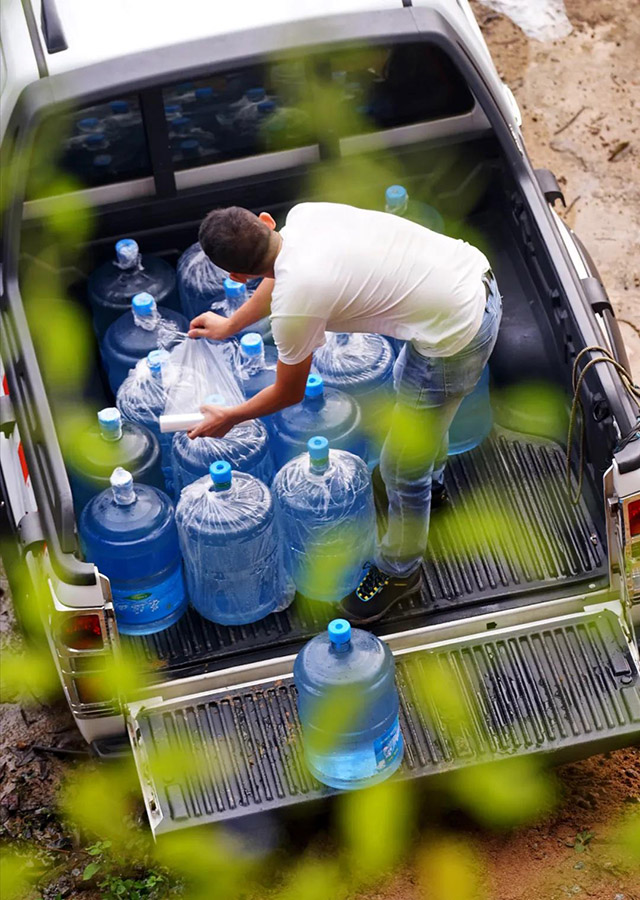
93, 146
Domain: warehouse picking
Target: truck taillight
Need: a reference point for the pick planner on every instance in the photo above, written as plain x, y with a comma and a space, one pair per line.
82, 632
633, 512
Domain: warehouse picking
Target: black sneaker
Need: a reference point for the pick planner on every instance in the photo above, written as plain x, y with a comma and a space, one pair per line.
376, 594
439, 496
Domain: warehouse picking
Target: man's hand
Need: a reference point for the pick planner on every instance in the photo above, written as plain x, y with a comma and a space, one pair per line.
218, 421
210, 325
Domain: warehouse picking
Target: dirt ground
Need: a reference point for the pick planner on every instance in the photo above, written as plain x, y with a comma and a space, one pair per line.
580, 100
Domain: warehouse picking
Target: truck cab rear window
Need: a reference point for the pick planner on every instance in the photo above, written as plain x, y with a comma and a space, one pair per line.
96, 145
291, 103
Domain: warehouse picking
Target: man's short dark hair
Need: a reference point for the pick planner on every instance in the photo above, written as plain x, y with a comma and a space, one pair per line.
235, 239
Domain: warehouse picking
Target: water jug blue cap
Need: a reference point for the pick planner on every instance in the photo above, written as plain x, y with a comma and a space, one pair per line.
315, 386
122, 487
156, 359
173, 109
119, 106
266, 106
318, 448
110, 419
127, 251
339, 631
190, 146
251, 343
93, 140
202, 93
181, 122
220, 472
143, 304
88, 124
234, 289
103, 160
255, 94
395, 196
215, 400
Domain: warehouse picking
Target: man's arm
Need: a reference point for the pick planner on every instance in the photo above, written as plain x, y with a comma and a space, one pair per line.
288, 389
219, 328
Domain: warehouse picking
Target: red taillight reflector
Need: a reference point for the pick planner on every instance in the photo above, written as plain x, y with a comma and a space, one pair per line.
82, 633
633, 510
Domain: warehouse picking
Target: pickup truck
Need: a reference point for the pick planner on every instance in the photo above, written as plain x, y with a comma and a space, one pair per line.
538, 630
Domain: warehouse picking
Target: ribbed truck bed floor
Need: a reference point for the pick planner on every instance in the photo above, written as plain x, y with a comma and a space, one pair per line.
545, 543
567, 688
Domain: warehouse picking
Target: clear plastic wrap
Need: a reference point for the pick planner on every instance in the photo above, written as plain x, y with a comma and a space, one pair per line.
201, 283
231, 546
325, 501
355, 363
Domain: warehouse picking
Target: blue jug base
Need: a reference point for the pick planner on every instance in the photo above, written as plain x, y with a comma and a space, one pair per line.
235, 620
357, 784
152, 627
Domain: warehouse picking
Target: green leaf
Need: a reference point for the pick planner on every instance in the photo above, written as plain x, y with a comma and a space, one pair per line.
90, 871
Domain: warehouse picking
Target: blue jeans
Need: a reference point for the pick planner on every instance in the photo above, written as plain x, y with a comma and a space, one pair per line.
414, 455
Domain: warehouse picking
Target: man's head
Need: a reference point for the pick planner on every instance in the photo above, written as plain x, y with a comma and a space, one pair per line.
244, 244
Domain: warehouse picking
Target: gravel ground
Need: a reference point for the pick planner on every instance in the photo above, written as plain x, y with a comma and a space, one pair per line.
579, 98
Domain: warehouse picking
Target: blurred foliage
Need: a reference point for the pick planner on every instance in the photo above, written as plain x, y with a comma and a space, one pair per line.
450, 868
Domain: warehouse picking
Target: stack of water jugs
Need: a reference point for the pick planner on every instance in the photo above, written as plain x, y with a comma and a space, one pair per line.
275, 507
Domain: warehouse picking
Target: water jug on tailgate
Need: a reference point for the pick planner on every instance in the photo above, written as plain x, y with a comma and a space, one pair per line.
113, 443
325, 411
325, 500
230, 542
348, 707
245, 447
134, 334
128, 531
112, 285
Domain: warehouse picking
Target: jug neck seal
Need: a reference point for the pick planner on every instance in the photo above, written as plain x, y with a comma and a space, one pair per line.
122, 487
220, 472
110, 422
339, 631
318, 448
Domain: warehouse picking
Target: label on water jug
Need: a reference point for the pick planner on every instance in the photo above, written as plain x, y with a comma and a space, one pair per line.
135, 607
388, 746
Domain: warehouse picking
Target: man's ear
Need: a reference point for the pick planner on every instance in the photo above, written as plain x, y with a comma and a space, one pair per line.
236, 276
268, 220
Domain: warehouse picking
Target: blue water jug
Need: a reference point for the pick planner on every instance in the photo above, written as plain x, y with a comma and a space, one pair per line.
112, 443
129, 533
328, 520
398, 203
134, 335
351, 671
236, 293
201, 283
112, 285
245, 447
474, 419
358, 364
256, 364
231, 547
325, 411
142, 397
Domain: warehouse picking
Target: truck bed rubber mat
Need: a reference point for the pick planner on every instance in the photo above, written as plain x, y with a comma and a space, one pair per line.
538, 541
568, 688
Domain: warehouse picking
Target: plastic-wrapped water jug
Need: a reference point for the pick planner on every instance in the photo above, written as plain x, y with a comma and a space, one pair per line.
256, 364
142, 397
201, 283
328, 520
114, 283
360, 365
230, 542
398, 203
355, 363
129, 533
325, 411
352, 671
474, 419
245, 447
112, 443
236, 293
134, 335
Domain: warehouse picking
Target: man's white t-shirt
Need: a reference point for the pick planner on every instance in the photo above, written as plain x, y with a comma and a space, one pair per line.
355, 270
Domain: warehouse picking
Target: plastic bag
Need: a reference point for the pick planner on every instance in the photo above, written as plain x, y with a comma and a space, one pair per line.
231, 547
325, 501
